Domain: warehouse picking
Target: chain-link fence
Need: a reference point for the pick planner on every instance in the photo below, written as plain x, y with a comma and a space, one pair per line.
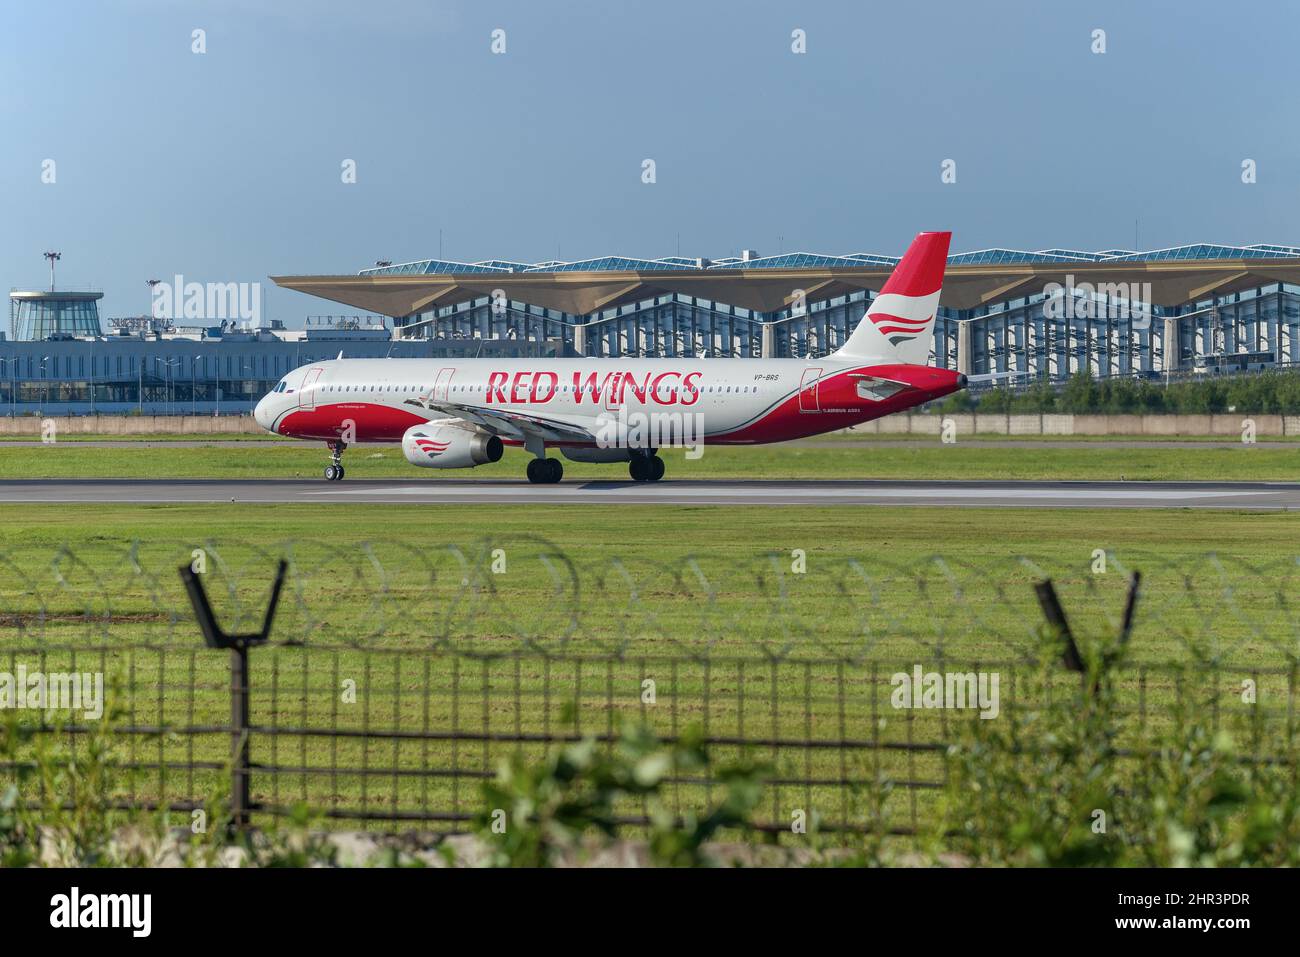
395, 680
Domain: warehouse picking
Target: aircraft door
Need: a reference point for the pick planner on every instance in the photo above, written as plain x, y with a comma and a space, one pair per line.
307, 392
808, 401
442, 383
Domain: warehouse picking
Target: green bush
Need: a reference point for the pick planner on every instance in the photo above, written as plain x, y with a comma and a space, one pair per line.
538, 813
1050, 785
1268, 393
60, 807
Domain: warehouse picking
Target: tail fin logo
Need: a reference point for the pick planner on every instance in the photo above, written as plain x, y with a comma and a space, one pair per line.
898, 328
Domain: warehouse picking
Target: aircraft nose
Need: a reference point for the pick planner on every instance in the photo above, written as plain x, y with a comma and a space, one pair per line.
262, 413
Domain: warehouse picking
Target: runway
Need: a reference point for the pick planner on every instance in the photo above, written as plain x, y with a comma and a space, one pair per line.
959, 494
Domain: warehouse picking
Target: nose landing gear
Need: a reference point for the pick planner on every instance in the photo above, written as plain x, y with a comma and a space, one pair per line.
334, 472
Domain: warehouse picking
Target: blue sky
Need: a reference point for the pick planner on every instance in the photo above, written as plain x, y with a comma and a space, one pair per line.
226, 166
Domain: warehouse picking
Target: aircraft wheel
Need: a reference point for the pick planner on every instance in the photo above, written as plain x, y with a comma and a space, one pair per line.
545, 471
656, 468
639, 468
334, 471
338, 475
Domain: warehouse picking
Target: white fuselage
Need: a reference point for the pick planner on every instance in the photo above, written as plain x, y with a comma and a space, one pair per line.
741, 401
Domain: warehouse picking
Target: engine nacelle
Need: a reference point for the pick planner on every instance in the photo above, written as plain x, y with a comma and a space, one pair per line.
441, 446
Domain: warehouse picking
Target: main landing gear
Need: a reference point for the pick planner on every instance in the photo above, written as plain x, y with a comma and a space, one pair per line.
545, 471
334, 473
646, 467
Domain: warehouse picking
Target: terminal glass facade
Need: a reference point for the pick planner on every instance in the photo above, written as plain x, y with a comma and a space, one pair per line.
46, 315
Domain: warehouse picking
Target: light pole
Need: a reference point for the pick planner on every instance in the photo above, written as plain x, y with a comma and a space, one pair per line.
45, 385
53, 257
194, 401
151, 283
169, 382
245, 366
156, 360
9, 368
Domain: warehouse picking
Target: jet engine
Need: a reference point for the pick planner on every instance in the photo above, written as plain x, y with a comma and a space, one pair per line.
444, 446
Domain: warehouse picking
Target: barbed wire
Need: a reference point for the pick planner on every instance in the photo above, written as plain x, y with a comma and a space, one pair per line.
526, 593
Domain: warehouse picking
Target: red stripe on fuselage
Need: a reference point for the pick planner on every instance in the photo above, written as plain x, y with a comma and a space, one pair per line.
841, 406
370, 422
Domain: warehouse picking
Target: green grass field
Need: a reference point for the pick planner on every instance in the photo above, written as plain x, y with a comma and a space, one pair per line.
962, 460
772, 624
591, 602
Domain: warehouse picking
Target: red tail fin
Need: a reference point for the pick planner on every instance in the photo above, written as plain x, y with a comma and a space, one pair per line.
899, 325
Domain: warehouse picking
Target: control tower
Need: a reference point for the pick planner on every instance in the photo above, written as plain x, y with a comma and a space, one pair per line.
56, 314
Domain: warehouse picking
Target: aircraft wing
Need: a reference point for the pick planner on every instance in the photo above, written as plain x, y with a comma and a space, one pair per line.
511, 425
994, 376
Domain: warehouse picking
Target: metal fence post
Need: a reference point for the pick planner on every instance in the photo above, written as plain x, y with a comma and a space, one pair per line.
1060, 626
240, 751
241, 766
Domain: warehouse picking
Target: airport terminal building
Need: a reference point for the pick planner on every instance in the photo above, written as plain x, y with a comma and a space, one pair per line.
1198, 309
1050, 313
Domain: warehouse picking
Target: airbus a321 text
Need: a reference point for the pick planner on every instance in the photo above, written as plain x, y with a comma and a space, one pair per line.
459, 413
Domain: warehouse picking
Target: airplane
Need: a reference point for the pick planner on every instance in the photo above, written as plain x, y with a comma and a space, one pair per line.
461, 413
